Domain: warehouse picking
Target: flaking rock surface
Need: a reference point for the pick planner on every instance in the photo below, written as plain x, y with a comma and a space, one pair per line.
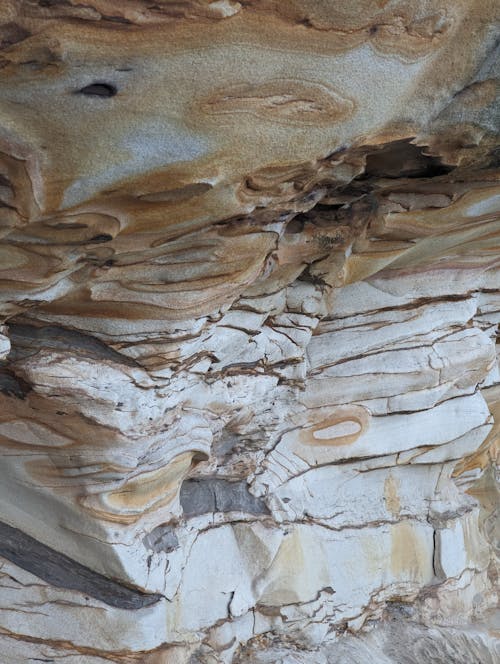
250, 294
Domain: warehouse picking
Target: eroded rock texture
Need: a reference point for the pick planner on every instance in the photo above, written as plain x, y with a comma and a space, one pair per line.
250, 290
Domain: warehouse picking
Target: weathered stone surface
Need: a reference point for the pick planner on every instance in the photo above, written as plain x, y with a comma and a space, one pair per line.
249, 304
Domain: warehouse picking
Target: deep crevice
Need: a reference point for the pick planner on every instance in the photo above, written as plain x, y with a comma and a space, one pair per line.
403, 159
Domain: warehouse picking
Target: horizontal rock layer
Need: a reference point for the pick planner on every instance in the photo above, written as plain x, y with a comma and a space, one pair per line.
250, 296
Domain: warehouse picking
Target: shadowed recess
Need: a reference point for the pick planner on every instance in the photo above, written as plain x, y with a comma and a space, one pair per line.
12, 385
98, 90
403, 159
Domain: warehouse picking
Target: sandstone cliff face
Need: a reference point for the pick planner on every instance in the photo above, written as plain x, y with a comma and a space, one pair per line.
250, 292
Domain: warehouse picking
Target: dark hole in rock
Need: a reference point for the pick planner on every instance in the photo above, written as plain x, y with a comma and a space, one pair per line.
295, 226
198, 457
403, 159
6, 192
320, 207
104, 237
117, 19
495, 158
13, 386
98, 90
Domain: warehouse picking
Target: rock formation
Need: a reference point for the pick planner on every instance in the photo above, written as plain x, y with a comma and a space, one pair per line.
250, 292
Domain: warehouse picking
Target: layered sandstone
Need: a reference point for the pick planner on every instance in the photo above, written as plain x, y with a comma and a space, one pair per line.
250, 294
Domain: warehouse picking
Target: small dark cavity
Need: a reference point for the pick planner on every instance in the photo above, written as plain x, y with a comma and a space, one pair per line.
336, 153
61, 571
494, 158
6, 192
320, 207
306, 22
403, 159
99, 239
295, 226
356, 190
13, 386
397, 609
309, 278
98, 90
116, 19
